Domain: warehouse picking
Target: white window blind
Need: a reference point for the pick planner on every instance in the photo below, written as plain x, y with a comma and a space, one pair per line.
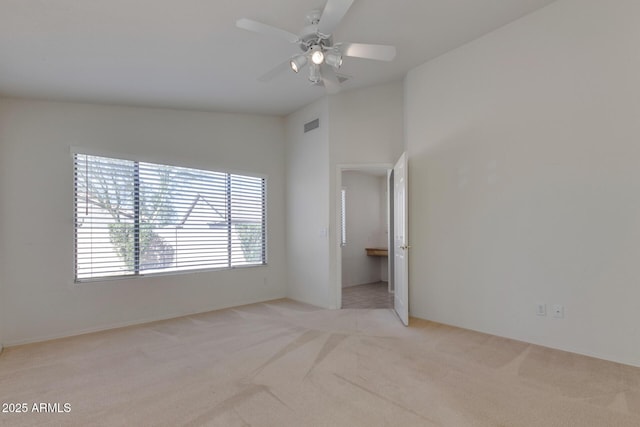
134, 218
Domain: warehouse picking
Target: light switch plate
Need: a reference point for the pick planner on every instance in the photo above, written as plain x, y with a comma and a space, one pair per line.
541, 309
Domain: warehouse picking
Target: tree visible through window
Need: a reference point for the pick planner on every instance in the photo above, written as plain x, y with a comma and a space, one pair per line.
137, 218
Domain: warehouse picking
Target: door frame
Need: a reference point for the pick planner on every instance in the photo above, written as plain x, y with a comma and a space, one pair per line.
340, 168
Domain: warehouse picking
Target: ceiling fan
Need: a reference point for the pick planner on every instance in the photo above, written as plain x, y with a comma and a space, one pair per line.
319, 51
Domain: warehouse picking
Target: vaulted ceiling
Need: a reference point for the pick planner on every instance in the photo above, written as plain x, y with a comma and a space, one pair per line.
190, 54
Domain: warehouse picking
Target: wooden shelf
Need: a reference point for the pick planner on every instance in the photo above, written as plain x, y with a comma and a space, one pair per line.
383, 252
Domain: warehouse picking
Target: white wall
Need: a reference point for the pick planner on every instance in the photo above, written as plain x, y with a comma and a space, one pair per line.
3, 298
525, 181
365, 225
307, 165
362, 126
366, 128
36, 221
367, 125
2, 302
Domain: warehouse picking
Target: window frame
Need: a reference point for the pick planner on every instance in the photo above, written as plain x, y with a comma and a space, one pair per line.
140, 273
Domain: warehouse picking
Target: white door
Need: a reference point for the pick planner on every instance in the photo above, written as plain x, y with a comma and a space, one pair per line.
400, 244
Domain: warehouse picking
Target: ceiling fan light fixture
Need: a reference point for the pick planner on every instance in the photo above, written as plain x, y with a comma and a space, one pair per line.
298, 62
314, 73
317, 55
333, 59
317, 46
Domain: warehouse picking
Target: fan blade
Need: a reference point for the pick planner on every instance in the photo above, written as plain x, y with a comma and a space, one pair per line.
330, 79
259, 27
332, 14
269, 75
379, 52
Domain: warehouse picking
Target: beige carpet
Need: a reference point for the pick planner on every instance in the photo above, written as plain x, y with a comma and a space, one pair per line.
288, 364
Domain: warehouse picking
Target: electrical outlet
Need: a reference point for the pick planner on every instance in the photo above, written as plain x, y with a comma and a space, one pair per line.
558, 311
541, 309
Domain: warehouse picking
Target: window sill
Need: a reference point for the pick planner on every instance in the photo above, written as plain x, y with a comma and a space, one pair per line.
80, 282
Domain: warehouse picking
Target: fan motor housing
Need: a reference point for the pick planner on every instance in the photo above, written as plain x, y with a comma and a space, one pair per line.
309, 36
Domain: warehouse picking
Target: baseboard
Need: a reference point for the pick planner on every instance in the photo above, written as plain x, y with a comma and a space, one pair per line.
309, 302
133, 323
367, 283
567, 349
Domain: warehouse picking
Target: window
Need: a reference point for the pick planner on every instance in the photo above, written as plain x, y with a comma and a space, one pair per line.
343, 217
134, 218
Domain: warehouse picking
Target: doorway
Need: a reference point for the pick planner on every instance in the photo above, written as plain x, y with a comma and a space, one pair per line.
364, 274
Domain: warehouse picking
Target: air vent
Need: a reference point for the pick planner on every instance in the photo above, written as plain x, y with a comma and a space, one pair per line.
313, 124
